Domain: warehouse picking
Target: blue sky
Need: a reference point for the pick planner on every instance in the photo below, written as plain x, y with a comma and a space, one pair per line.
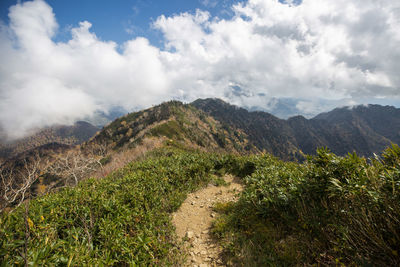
122, 20
320, 54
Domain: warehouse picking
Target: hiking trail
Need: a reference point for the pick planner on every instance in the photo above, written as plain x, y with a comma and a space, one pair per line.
194, 218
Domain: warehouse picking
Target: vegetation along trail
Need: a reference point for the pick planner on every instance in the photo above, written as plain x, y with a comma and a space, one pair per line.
194, 219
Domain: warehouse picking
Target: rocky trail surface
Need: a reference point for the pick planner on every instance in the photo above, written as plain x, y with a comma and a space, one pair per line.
194, 218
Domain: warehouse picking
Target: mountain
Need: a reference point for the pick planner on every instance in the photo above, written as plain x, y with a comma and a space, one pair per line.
216, 125
174, 122
363, 129
64, 135
265, 131
383, 120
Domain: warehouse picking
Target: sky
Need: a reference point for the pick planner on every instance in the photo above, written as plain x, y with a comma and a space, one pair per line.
64, 61
121, 20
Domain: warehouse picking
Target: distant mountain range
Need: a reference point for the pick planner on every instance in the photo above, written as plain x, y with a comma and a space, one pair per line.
62, 135
213, 124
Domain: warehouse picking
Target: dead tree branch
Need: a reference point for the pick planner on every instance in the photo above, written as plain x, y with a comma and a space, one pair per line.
16, 181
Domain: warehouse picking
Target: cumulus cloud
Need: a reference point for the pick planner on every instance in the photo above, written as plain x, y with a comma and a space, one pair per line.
316, 50
45, 82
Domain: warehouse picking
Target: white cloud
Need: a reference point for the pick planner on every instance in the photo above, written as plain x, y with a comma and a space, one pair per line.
318, 50
45, 82
209, 3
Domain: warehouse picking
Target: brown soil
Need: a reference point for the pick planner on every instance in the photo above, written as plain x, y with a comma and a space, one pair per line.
194, 218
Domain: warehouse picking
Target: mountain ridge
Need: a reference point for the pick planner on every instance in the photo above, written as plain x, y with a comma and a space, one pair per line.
363, 129
72, 135
175, 121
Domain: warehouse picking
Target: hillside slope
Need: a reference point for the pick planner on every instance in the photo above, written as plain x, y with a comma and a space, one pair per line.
327, 211
176, 122
363, 129
265, 131
119, 143
64, 135
366, 129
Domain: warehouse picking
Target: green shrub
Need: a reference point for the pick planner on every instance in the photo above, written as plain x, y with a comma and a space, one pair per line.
330, 210
105, 160
123, 219
170, 129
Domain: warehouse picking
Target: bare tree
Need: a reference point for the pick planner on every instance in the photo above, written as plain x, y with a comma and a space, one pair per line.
17, 178
98, 151
73, 166
16, 182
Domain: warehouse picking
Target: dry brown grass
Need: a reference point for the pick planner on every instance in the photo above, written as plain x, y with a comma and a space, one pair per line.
121, 158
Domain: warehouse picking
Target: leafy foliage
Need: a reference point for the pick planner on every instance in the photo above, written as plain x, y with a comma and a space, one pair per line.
119, 220
330, 210
169, 129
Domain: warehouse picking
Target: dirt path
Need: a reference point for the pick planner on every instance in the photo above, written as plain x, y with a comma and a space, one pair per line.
194, 218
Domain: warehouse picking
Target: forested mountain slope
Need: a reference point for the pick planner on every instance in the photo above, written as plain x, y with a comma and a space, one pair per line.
363, 129
64, 135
